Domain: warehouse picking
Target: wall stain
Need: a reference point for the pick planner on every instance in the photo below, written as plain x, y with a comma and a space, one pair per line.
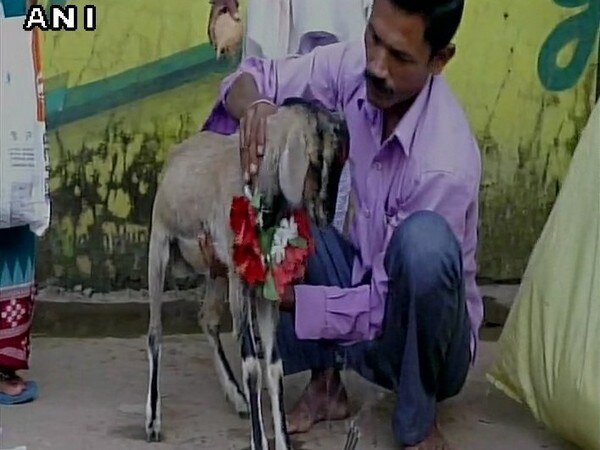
124, 165
523, 205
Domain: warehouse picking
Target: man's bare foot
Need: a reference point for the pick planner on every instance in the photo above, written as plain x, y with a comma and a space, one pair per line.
434, 441
11, 384
324, 398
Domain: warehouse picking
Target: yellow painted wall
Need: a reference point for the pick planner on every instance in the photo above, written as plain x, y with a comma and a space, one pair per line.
526, 132
129, 34
104, 166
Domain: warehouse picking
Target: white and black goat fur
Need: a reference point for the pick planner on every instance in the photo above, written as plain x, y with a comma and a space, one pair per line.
303, 158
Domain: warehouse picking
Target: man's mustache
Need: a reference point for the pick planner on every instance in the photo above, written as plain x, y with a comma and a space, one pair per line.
378, 83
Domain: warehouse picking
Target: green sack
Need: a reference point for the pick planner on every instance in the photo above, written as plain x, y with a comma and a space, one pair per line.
549, 351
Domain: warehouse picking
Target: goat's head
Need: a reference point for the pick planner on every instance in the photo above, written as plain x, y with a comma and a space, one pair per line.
305, 152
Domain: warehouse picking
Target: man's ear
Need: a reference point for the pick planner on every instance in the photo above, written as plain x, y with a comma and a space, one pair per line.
441, 58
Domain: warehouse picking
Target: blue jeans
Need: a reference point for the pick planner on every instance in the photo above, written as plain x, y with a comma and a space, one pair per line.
423, 352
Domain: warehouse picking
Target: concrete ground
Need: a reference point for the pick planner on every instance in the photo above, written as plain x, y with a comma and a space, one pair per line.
92, 393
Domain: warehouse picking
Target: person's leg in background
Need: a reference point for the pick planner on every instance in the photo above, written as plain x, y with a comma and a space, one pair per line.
325, 396
423, 353
17, 275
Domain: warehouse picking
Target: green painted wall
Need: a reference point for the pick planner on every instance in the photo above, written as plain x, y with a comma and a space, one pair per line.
117, 98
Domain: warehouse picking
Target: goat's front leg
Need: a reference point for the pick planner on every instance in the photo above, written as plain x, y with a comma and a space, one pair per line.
252, 375
267, 318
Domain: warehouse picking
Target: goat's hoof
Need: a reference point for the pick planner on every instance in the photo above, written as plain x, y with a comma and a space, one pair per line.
153, 436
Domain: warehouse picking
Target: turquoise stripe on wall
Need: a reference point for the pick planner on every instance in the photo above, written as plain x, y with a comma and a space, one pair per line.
68, 105
13, 8
65, 105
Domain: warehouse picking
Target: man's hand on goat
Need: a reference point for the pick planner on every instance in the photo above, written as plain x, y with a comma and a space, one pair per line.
252, 136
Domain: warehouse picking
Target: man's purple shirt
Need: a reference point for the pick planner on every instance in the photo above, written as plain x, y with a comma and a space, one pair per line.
430, 162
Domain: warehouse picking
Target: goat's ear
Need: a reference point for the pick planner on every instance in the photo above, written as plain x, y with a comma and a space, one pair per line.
293, 165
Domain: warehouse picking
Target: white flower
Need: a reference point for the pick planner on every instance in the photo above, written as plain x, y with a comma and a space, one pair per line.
277, 252
287, 231
248, 192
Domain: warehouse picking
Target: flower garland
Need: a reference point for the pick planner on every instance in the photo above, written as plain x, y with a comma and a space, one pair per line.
270, 258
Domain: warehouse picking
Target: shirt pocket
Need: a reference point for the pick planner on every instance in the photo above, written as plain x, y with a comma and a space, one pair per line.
395, 206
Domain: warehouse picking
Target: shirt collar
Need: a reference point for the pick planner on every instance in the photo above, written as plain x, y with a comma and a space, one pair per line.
406, 128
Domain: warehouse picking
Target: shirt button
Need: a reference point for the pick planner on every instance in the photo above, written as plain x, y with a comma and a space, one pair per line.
377, 166
367, 213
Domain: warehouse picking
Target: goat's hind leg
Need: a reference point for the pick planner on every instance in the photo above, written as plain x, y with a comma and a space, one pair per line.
252, 379
267, 319
210, 320
158, 259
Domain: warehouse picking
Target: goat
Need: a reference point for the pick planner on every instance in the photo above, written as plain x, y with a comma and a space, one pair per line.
303, 158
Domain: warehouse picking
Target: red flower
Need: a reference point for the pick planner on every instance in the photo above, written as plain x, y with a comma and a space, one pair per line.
249, 264
242, 220
291, 268
293, 265
246, 248
247, 252
303, 222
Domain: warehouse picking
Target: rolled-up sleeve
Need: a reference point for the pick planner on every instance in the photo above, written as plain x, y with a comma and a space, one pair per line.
313, 76
355, 314
343, 314
329, 312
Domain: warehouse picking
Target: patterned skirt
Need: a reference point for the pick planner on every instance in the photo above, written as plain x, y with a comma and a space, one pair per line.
17, 268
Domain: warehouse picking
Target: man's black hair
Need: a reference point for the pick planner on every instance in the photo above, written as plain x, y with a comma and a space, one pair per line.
442, 18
